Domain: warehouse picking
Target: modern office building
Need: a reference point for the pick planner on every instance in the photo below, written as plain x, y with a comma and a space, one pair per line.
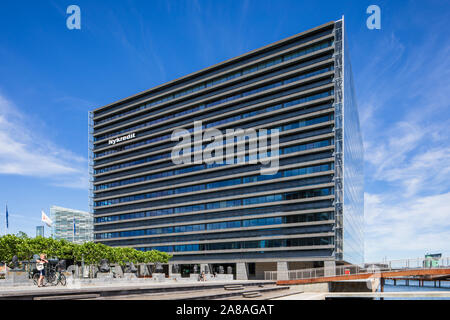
308, 214
72, 225
39, 231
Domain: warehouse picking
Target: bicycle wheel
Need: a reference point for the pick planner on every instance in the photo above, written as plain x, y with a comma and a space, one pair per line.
35, 279
52, 279
62, 279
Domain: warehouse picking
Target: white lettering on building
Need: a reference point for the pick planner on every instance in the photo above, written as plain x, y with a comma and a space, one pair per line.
123, 138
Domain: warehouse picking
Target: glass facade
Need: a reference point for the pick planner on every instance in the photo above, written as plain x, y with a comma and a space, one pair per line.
349, 201
259, 222
309, 210
63, 225
40, 231
261, 244
353, 245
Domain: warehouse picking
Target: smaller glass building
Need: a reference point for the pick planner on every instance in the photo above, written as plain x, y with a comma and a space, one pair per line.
72, 225
39, 231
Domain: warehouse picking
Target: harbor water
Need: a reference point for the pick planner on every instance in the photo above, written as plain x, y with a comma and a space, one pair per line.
414, 286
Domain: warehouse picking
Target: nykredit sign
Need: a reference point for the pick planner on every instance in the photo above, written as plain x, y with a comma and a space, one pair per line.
123, 138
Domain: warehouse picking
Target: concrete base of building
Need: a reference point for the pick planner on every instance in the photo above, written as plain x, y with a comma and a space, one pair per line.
330, 268
204, 267
224, 277
175, 276
241, 271
194, 276
256, 270
209, 276
282, 270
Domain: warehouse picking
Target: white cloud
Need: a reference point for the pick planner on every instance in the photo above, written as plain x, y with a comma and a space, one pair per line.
408, 228
27, 153
405, 121
411, 156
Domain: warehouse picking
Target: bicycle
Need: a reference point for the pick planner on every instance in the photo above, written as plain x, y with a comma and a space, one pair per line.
36, 277
57, 277
52, 277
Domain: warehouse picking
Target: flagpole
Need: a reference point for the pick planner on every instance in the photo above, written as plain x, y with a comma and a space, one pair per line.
6, 219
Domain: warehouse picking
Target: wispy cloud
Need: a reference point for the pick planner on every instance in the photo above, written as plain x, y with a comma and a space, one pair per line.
411, 156
405, 121
406, 229
140, 44
27, 153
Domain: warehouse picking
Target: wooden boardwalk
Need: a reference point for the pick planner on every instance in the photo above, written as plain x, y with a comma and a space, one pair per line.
382, 274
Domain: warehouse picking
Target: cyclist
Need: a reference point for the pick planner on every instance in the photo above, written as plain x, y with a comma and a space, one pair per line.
40, 266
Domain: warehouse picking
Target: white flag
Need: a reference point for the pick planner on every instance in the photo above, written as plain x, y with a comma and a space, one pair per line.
46, 219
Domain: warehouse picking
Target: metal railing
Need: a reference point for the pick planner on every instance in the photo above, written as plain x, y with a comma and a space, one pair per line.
367, 268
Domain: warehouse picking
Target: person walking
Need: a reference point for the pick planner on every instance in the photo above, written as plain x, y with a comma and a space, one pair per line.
40, 266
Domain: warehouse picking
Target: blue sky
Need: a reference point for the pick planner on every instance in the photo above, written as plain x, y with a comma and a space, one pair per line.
51, 76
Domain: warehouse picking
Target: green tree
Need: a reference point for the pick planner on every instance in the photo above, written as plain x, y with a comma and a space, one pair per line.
25, 247
10, 245
22, 235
